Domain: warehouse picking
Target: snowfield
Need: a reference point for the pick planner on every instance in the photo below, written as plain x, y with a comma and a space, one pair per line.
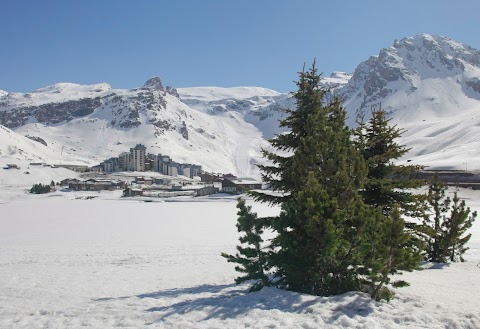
95, 260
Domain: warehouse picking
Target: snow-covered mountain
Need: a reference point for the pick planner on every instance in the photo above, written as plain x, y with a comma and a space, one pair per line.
15, 147
97, 122
429, 85
420, 77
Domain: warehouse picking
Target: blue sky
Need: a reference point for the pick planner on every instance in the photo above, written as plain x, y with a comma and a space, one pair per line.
210, 42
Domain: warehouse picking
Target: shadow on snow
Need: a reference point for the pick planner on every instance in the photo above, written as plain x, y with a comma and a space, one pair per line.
230, 301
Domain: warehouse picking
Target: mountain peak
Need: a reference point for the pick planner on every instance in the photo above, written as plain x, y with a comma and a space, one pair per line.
154, 83
415, 73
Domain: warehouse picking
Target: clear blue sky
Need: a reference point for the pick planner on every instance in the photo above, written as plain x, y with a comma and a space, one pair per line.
209, 42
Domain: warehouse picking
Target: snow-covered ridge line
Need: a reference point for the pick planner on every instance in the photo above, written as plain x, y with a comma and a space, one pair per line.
418, 80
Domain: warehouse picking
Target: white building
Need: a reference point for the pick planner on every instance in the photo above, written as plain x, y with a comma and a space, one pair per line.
137, 157
124, 161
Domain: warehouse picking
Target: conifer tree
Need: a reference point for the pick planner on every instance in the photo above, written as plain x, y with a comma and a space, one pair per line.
445, 235
456, 225
387, 184
278, 175
319, 225
387, 251
325, 233
317, 240
433, 228
386, 190
252, 256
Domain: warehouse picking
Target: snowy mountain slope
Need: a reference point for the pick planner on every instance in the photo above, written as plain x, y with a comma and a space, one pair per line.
445, 143
15, 147
430, 86
97, 122
417, 78
259, 106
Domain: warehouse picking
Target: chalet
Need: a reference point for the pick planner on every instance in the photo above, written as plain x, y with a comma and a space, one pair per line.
95, 184
143, 180
77, 168
206, 190
132, 192
240, 185
11, 166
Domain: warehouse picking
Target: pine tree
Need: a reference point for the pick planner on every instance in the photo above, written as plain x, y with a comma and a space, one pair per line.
445, 235
278, 175
387, 184
251, 256
387, 251
456, 225
319, 225
317, 242
433, 228
40, 189
386, 190
327, 240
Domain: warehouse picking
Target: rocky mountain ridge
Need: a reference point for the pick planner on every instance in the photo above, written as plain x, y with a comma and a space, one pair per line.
417, 77
421, 81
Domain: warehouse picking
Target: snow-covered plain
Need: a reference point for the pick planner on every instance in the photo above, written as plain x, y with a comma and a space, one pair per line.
95, 260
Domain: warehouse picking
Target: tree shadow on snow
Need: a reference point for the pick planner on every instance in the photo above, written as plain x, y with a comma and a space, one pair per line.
434, 266
228, 302
173, 293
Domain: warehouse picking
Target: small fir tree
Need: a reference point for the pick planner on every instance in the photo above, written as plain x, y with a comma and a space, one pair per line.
387, 251
445, 235
40, 189
456, 226
433, 228
252, 256
387, 184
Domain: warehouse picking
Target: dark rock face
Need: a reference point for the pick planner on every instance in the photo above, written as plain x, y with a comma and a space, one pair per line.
37, 139
172, 91
474, 84
184, 130
51, 113
154, 83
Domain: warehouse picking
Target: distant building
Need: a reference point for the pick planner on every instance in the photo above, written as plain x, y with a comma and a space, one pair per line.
124, 161
172, 169
190, 170
110, 165
137, 157
240, 185
210, 177
207, 190
132, 192
94, 184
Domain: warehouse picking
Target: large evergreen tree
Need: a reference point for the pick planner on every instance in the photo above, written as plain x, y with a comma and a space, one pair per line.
327, 240
319, 173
